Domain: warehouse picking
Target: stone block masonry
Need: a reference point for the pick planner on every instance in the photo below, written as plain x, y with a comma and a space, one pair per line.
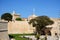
4, 30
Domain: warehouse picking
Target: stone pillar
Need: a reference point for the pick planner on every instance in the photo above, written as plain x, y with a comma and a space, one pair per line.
4, 30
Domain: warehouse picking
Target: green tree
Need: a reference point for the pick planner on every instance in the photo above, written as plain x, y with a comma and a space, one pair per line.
18, 19
39, 23
6, 16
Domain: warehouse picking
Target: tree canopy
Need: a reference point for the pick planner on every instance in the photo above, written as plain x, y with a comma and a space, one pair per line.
41, 22
18, 19
6, 16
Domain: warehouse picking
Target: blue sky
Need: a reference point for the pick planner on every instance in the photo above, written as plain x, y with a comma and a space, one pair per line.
49, 8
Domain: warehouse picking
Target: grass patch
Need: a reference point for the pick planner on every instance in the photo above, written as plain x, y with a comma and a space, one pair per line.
17, 36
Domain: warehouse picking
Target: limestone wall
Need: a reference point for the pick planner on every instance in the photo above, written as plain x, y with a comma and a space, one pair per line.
4, 30
19, 27
55, 27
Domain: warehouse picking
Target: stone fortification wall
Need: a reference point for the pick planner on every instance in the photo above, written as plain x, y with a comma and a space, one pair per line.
55, 27
3, 30
19, 27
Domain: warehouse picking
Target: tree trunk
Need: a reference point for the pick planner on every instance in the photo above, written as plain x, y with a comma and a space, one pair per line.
8, 21
38, 36
46, 37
